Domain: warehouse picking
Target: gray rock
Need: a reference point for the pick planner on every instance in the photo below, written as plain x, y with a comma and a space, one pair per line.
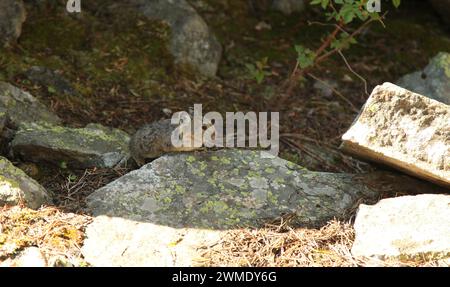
225, 189
443, 8
17, 187
404, 227
288, 7
22, 107
50, 79
192, 41
433, 81
12, 16
405, 130
92, 146
326, 88
167, 212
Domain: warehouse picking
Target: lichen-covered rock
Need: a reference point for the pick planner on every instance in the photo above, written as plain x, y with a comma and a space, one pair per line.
167, 212
405, 130
113, 241
288, 7
433, 81
92, 146
12, 16
51, 79
225, 189
191, 42
442, 7
404, 227
16, 187
22, 107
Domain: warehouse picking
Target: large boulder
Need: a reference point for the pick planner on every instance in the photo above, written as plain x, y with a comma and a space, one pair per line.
92, 146
433, 81
225, 189
18, 188
12, 16
405, 130
22, 107
192, 42
405, 227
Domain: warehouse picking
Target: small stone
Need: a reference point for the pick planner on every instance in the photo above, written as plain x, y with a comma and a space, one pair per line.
21, 107
16, 187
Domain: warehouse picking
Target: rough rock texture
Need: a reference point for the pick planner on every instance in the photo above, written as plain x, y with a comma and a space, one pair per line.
29, 257
21, 107
17, 187
407, 226
121, 242
225, 189
433, 81
405, 130
288, 7
191, 42
443, 8
50, 79
12, 15
167, 212
92, 146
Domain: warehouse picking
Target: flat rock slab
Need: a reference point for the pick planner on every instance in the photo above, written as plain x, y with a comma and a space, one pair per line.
404, 227
17, 187
226, 189
121, 242
405, 130
92, 146
21, 106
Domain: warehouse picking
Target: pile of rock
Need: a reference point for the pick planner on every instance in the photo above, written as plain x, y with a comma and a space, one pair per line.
31, 132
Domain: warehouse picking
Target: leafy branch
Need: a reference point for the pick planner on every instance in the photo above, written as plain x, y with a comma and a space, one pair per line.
343, 12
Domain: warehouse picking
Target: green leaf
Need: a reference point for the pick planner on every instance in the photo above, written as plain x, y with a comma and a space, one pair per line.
396, 3
305, 57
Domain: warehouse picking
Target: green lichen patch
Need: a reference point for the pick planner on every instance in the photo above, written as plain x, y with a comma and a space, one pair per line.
18, 188
93, 145
217, 190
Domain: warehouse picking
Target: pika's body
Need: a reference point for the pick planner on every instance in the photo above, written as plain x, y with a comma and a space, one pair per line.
153, 140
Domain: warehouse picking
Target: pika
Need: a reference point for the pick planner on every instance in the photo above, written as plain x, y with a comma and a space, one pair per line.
155, 139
